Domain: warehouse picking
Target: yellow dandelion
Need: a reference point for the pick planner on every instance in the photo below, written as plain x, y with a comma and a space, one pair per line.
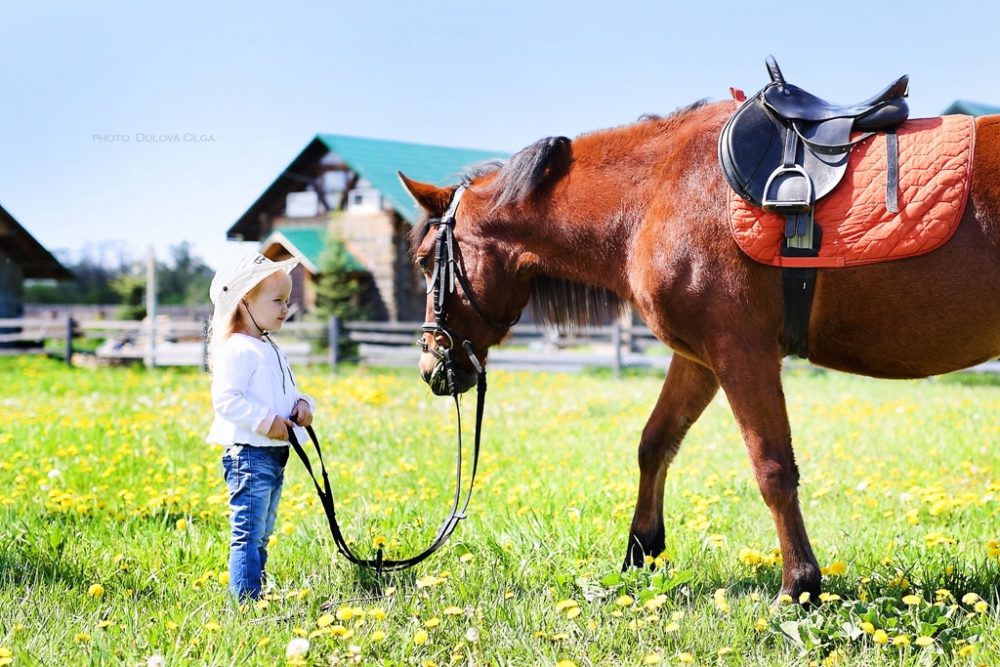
880, 637
81, 638
685, 657
378, 636
103, 625
761, 624
573, 613
655, 602
181, 524
95, 591
420, 637
672, 626
263, 641
559, 636
452, 611
912, 600
624, 601
432, 622
924, 640
565, 663
838, 568
466, 557
652, 659
212, 626
981, 606
566, 604
785, 598
804, 597
867, 627
724, 651
966, 650
970, 599
901, 640
325, 620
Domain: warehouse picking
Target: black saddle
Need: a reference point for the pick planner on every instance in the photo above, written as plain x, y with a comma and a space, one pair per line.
785, 149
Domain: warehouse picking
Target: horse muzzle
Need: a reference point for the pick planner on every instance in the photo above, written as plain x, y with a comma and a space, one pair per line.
434, 372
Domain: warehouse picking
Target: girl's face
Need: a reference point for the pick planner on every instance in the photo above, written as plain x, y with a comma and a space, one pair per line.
269, 302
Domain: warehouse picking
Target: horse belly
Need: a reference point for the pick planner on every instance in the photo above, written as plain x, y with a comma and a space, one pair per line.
915, 317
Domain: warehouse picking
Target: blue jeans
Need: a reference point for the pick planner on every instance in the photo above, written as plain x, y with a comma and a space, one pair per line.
254, 476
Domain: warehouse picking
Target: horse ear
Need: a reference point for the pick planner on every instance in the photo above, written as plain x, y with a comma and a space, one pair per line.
431, 198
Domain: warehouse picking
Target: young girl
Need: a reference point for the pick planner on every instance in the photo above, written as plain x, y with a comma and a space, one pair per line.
256, 402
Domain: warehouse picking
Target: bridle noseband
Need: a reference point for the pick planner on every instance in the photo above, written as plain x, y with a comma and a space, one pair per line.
442, 283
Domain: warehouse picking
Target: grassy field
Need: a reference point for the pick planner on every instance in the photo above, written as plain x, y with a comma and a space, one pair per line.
113, 535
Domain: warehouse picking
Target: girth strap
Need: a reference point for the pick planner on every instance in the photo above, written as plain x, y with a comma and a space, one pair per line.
798, 286
458, 508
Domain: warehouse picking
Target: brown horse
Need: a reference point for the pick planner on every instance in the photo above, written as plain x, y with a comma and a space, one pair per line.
639, 215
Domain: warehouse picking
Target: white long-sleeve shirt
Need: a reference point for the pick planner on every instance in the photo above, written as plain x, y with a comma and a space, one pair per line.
247, 393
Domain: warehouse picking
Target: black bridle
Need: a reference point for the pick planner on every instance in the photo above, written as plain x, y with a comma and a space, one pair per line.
441, 283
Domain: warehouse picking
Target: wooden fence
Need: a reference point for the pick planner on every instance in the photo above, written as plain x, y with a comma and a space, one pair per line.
181, 343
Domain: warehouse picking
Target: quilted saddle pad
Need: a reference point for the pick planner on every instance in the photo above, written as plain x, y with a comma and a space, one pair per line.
935, 174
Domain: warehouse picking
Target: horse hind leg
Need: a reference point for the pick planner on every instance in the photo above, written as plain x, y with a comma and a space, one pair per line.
687, 390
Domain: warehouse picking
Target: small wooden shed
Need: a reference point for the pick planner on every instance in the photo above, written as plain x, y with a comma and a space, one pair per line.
21, 258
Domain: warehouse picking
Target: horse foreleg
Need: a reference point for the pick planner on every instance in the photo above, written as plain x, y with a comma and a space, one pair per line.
687, 390
752, 383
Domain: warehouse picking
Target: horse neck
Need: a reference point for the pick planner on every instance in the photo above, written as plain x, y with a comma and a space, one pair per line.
584, 226
583, 232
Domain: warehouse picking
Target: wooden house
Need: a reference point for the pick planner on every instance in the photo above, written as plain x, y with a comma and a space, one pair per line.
21, 258
348, 187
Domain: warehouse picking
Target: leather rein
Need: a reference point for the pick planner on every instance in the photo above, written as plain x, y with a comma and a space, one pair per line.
441, 283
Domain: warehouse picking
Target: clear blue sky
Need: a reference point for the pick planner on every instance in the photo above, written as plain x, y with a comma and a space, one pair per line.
262, 78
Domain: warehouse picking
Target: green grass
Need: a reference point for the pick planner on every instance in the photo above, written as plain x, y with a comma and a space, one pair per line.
105, 480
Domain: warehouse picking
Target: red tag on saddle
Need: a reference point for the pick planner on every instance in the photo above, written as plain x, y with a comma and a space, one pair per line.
738, 95
935, 175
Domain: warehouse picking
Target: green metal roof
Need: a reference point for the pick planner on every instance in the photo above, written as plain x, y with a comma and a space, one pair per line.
971, 108
307, 242
378, 160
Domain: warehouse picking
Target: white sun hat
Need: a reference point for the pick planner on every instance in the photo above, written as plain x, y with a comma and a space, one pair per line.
232, 282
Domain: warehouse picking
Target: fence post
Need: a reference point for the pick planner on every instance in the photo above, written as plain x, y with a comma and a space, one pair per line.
151, 306
69, 341
616, 342
333, 331
203, 365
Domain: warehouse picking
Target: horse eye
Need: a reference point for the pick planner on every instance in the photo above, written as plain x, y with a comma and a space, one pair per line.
422, 262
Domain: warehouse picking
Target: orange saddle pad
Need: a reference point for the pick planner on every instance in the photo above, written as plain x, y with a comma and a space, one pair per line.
935, 173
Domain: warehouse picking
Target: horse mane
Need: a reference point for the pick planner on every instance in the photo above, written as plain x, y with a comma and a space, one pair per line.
568, 305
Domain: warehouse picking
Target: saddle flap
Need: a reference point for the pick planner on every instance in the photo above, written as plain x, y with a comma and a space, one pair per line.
751, 149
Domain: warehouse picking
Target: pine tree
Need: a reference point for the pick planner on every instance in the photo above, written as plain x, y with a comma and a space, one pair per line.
338, 293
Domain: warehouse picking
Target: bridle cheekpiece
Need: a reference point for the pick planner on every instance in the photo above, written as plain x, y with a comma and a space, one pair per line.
442, 283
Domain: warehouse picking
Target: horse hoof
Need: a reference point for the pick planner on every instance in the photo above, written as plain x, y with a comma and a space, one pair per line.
637, 558
804, 587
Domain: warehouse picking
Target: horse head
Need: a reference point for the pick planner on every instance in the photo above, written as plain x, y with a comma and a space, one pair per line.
474, 291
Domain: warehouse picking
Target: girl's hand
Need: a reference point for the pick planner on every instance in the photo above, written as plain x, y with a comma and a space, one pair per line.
301, 414
279, 428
